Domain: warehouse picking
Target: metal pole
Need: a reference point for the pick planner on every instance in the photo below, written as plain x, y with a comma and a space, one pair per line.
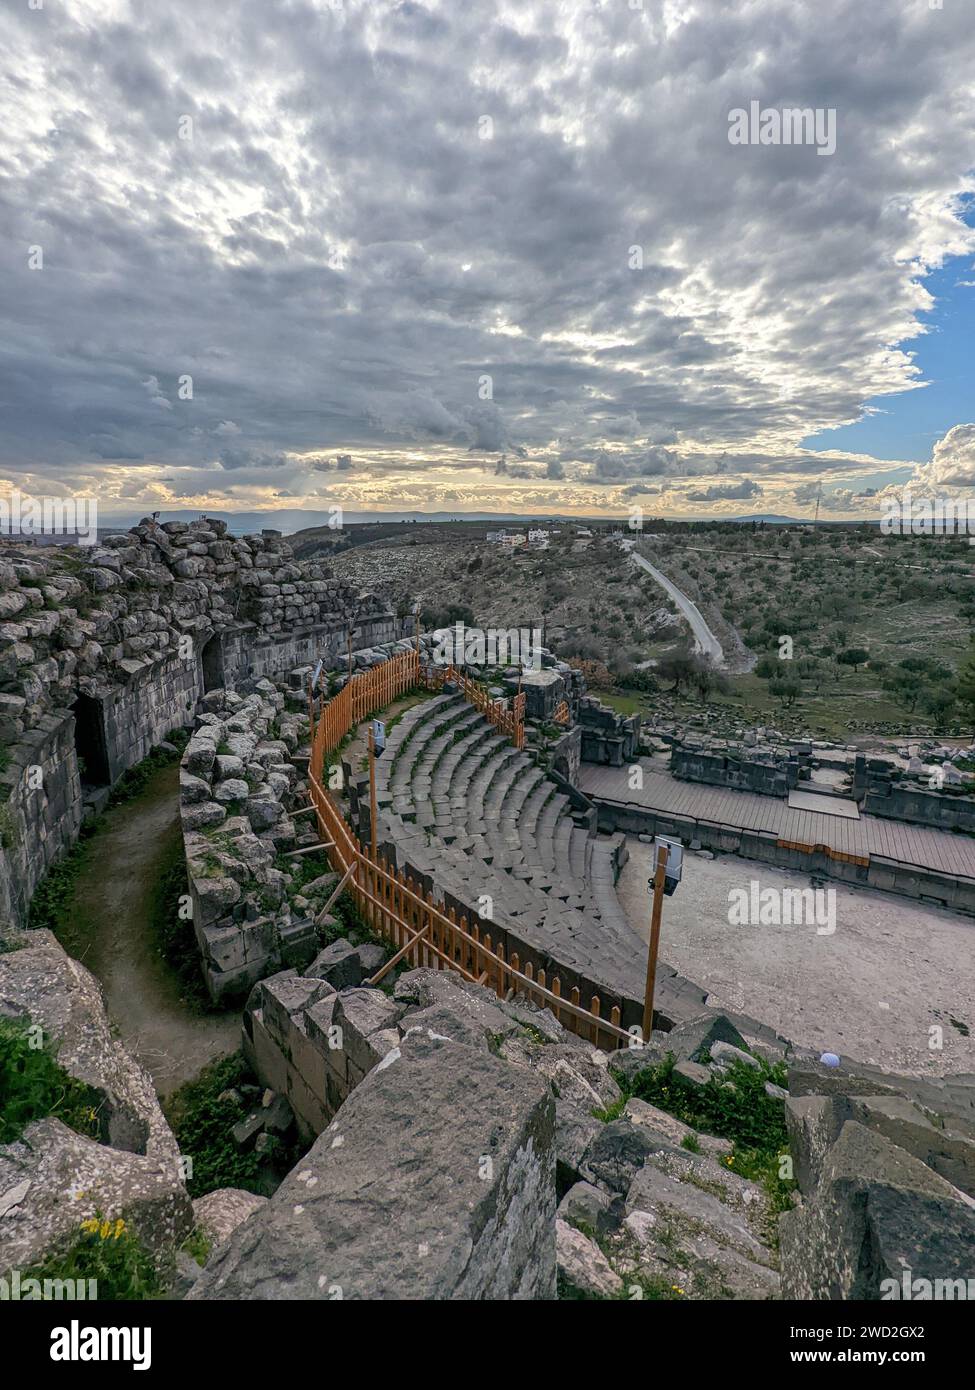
658, 902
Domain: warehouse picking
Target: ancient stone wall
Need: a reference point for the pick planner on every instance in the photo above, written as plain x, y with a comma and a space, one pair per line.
105, 650
238, 787
455, 1146
767, 776
41, 814
941, 888
921, 807
607, 737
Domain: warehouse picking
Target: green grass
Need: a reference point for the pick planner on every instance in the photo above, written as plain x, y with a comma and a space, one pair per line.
626, 702
198, 1245
135, 779
53, 895
33, 1086
173, 935
202, 1125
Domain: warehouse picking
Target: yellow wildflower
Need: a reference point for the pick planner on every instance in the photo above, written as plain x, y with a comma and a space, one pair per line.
119, 1228
90, 1226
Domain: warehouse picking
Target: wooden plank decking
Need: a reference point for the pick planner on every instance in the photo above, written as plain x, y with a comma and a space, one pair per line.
861, 839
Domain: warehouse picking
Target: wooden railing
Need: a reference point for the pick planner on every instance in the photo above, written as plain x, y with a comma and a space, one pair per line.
510, 722
394, 906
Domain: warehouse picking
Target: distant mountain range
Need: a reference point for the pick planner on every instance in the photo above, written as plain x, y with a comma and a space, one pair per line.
290, 520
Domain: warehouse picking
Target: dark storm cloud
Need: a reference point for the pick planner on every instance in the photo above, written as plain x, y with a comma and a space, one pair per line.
725, 492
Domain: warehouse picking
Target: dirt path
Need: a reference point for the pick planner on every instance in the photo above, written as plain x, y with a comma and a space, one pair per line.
110, 932
875, 988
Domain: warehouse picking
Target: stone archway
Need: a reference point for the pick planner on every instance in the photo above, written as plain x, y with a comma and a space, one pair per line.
89, 740
211, 658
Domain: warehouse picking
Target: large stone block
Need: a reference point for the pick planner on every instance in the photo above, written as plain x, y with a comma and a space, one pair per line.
434, 1181
361, 1013
877, 1213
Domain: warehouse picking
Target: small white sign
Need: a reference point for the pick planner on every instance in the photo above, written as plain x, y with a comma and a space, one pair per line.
673, 864
378, 735
675, 854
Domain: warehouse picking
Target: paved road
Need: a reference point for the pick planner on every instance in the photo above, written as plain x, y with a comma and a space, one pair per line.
704, 639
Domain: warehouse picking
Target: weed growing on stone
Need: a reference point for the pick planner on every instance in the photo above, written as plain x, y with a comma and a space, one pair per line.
53, 894
174, 937
736, 1107
33, 1086
110, 1253
198, 1246
202, 1114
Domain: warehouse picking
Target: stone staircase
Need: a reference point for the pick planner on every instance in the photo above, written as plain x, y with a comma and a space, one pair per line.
462, 805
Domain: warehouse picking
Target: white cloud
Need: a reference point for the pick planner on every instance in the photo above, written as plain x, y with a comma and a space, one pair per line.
339, 261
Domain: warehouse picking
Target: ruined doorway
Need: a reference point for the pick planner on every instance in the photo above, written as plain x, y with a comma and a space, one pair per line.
212, 658
89, 742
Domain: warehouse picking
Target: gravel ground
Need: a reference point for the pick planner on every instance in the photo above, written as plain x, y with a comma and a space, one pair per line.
892, 970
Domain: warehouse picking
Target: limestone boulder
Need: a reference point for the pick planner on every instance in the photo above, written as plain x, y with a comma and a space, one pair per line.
41, 982
52, 1179
582, 1266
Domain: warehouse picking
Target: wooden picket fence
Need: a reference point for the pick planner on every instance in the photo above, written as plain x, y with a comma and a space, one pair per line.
394, 906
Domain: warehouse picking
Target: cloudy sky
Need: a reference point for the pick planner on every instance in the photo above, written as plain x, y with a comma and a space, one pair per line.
485, 254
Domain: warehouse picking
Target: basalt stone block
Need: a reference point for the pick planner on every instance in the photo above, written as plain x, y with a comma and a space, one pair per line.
455, 1152
813, 1124
587, 1206
360, 1013
233, 789
299, 943
582, 1266
284, 996
52, 1179
203, 813
877, 1213
339, 964
262, 812
618, 1153
575, 1131
693, 1041
371, 958
949, 1154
